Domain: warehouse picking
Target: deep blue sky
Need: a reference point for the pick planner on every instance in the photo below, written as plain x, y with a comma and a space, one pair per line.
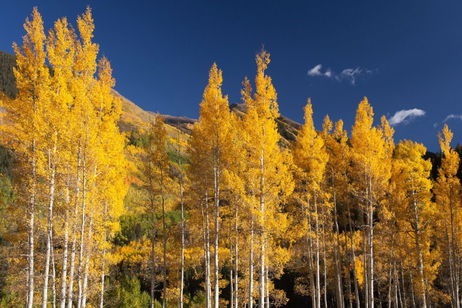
409, 53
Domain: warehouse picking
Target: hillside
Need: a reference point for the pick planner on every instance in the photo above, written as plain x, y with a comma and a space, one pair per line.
134, 118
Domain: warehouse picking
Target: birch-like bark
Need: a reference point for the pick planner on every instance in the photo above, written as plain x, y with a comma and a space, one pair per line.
262, 235
216, 191
74, 231
65, 254
371, 246
87, 263
311, 270
353, 258
419, 250
366, 260
267, 298
103, 263
324, 261
82, 230
31, 257
53, 275
317, 257
231, 273
66, 248
51, 199
338, 271
205, 218
101, 295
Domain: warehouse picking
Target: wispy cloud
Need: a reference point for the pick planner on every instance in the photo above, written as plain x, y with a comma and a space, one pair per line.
405, 116
452, 116
350, 75
317, 71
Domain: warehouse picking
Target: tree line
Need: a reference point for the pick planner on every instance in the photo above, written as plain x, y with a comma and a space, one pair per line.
219, 217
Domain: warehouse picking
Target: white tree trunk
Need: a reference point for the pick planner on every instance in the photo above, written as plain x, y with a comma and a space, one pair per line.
267, 301
309, 242
31, 268
205, 218
371, 247
217, 229
101, 296
65, 253
338, 270
324, 261
318, 274
51, 199
74, 233
419, 250
87, 263
53, 275
262, 235
82, 233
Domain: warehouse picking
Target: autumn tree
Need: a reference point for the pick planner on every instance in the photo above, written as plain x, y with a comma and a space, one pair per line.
209, 149
371, 170
411, 174
447, 190
24, 115
268, 180
310, 157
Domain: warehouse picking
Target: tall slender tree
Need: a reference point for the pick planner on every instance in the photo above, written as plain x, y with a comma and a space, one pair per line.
24, 114
268, 179
447, 189
311, 158
371, 165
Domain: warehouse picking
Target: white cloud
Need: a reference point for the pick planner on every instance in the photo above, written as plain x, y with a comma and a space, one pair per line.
404, 116
349, 74
315, 71
452, 116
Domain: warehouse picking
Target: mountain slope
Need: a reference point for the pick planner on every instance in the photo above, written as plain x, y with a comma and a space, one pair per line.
134, 118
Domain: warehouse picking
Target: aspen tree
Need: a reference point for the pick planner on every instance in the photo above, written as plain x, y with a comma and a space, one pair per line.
46, 119
268, 180
411, 174
198, 174
61, 52
61, 56
336, 183
111, 187
86, 66
180, 175
447, 190
24, 114
310, 157
213, 128
371, 171
235, 175
156, 178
